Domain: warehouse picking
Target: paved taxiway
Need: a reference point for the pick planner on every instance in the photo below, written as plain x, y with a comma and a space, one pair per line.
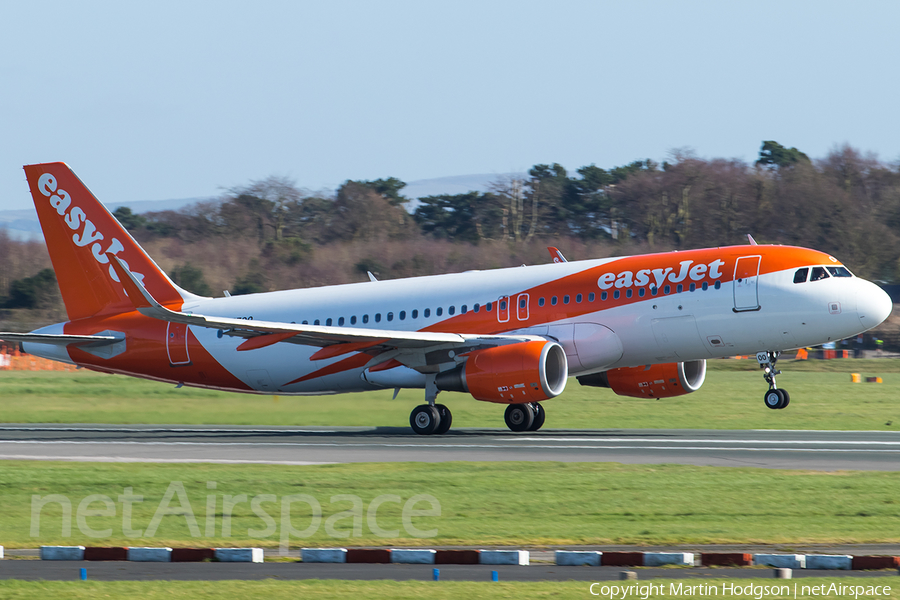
819, 450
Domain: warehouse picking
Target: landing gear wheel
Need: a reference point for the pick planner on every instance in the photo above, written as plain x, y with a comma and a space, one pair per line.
446, 419
425, 419
539, 415
774, 399
519, 417
787, 397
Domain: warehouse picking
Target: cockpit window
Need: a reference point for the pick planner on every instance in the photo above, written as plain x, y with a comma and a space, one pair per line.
800, 275
818, 273
839, 272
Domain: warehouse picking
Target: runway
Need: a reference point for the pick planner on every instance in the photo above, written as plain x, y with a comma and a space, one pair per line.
817, 450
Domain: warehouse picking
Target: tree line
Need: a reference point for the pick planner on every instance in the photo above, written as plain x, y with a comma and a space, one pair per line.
272, 234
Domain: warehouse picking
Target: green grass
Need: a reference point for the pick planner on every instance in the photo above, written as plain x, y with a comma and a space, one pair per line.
822, 397
411, 590
530, 504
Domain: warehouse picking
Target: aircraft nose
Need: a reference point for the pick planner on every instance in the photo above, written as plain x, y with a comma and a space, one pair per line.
873, 305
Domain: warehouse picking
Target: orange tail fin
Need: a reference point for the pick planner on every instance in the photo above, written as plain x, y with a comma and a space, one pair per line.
79, 232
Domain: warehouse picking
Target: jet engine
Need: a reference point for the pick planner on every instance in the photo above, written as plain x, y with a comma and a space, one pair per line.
651, 381
511, 374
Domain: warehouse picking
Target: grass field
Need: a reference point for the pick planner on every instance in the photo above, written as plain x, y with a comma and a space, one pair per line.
530, 504
414, 590
822, 397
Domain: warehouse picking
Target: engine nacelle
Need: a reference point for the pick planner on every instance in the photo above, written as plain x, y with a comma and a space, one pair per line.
512, 374
651, 381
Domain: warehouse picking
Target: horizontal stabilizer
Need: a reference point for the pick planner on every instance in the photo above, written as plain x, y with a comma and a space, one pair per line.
58, 339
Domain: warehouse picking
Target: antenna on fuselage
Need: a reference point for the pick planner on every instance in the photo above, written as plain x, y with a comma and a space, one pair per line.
751, 240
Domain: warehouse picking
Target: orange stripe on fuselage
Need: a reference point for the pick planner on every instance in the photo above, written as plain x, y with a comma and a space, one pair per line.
348, 364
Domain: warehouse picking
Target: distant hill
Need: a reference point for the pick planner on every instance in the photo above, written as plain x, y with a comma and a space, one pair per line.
24, 225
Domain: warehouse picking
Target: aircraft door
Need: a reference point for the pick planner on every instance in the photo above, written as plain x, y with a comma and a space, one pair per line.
176, 344
746, 281
522, 307
503, 309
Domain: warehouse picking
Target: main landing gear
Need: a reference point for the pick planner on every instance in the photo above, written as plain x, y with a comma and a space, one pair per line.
775, 398
435, 419
426, 419
431, 418
525, 417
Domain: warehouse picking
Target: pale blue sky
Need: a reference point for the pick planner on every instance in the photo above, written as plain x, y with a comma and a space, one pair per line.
160, 100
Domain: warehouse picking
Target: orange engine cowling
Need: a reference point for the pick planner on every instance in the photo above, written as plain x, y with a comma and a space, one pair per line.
512, 374
651, 381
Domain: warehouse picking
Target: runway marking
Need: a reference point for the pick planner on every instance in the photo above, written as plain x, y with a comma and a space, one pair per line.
443, 446
168, 430
223, 461
704, 441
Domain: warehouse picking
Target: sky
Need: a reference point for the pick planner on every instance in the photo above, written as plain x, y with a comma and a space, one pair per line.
162, 100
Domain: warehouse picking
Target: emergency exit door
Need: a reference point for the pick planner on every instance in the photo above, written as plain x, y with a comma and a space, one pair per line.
176, 344
746, 283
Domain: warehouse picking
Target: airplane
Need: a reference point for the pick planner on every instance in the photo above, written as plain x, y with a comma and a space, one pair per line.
643, 326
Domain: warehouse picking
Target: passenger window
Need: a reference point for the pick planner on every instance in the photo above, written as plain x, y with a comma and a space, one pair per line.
641, 292
718, 285
540, 301
490, 305
463, 309
328, 322
402, 315
390, 316
800, 275
365, 318
522, 302
654, 290
553, 300
603, 295
616, 295
818, 273
705, 286
451, 310
566, 299
839, 272
341, 322
353, 320
476, 308
578, 298
591, 297
628, 293
693, 287
316, 322
667, 289
415, 314
679, 288
439, 311
378, 317
427, 312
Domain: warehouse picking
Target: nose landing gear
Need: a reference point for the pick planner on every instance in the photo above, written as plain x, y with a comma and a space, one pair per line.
774, 398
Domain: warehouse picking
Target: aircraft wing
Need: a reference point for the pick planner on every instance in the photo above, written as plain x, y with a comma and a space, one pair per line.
334, 340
